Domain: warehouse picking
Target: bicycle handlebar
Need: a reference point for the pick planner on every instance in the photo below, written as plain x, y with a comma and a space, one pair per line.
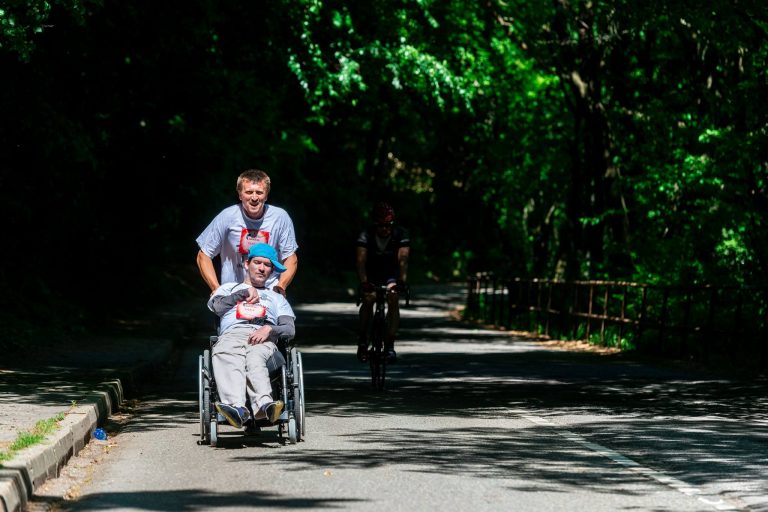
405, 289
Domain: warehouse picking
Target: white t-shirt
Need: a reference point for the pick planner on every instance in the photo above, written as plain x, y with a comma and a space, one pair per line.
232, 233
271, 305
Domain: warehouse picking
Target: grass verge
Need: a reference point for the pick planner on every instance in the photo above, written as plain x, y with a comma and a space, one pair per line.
31, 437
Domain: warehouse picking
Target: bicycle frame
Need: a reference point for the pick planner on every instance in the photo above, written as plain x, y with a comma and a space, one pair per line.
377, 358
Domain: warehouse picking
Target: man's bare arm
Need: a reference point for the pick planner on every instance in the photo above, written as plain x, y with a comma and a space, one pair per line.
205, 265
291, 266
360, 258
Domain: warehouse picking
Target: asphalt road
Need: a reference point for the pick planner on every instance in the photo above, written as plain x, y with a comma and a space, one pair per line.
472, 420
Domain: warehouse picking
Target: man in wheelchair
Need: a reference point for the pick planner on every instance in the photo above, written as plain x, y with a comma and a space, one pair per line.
252, 319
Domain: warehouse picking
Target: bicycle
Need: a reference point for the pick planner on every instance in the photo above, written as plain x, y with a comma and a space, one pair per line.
377, 356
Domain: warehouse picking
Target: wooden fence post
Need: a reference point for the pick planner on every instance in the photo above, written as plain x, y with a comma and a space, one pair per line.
622, 314
589, 311
605, 315
575, 317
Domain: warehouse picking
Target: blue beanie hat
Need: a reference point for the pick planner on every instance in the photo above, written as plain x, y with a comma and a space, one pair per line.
266, 251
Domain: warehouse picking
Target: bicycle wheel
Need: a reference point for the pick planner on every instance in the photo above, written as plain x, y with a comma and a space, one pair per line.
382, 372
377, 356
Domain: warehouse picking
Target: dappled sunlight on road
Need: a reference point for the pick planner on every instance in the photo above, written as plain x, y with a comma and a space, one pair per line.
468, 402
327, 307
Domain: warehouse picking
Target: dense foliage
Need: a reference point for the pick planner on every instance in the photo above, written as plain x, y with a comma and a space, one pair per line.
559, 139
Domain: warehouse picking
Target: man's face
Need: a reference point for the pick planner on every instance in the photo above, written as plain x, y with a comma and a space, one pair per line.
384, 229
259, 270
253, 195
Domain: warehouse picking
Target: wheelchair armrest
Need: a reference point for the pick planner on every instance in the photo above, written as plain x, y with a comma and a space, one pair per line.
285, 342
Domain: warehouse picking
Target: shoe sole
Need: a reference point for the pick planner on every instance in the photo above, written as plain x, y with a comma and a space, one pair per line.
235, 421
273, 413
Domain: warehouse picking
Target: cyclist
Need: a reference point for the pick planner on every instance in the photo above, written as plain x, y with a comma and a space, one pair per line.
382, 259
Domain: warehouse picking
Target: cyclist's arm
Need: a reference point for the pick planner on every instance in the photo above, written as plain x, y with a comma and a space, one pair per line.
360, 260
402, 258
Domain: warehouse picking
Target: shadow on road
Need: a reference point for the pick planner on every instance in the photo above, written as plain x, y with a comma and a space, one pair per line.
200, 499
700, 427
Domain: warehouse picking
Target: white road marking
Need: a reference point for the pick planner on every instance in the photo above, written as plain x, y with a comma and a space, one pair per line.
715, 502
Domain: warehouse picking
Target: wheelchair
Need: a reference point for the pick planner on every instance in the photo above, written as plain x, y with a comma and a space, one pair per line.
286, 375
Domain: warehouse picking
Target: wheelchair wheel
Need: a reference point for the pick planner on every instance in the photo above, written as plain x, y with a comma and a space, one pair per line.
214, 437
205, 396
293, 431
297, 384
200, 401
208, 419
303, 423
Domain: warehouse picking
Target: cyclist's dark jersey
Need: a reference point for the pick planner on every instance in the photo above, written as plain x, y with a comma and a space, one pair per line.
381, 265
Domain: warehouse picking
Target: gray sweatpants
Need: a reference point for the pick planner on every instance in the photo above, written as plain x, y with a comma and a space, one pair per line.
238, 366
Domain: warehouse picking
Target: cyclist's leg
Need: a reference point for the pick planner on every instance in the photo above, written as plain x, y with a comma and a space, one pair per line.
365, 315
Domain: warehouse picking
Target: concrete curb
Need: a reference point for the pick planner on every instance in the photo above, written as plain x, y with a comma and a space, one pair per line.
31, 467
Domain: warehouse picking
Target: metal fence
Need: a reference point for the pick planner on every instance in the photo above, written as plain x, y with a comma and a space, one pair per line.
699, 322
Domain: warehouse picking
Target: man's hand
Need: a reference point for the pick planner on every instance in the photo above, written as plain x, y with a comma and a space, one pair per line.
260, 335
253, 296
279, 289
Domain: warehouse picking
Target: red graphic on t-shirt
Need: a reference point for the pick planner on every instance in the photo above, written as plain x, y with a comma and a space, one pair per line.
247, 311
248, 237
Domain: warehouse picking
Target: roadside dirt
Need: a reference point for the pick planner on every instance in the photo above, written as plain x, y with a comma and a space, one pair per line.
79, 470
570, 345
